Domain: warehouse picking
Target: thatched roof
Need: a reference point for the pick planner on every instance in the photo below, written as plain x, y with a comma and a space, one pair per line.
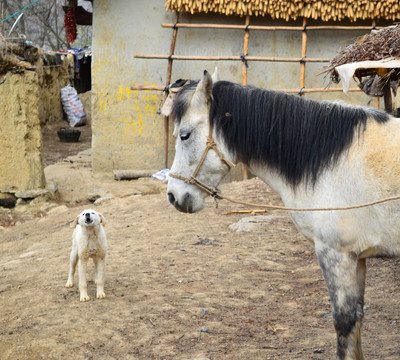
293, 9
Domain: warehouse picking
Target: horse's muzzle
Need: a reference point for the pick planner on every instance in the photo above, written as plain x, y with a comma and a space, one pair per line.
186, 205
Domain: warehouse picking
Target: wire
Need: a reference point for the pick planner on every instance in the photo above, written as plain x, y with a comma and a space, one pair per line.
26, 7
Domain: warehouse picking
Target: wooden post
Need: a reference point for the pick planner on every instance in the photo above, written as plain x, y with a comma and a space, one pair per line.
303, 56
245, 50
244, 70
377, 102
376, 98
387, 97
168, 81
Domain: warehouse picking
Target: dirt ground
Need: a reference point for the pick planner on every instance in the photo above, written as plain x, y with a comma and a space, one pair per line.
178, 286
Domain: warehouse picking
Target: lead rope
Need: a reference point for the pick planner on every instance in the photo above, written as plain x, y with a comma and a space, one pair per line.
216, 194
277, 207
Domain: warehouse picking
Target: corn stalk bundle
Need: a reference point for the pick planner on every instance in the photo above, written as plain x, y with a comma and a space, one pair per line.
325, 10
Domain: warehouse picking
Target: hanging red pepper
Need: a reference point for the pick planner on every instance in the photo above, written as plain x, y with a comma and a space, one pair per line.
70, 25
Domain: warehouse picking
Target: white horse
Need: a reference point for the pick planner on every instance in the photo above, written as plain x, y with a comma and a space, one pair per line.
313, 154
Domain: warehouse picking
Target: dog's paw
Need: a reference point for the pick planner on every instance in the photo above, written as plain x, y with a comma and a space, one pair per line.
69, 284
101, 295
85, 298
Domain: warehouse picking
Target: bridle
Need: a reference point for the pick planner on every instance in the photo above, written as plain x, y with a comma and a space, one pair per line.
193, 180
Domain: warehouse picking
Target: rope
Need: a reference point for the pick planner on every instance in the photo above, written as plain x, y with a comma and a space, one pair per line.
277, 207
26, 7
215, 193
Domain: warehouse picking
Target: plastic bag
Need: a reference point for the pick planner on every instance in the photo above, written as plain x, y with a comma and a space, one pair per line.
162, 175
73, 106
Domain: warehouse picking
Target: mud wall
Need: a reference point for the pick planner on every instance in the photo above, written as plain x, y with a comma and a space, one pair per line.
29, 99
51, 79
21, 165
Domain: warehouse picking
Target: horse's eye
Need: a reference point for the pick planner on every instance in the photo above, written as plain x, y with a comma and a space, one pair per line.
184, 136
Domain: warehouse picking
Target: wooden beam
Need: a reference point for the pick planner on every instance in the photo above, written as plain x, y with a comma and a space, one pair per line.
244, 70
267, 28
83, 17
387, 97
303, 55
227, 58
169, 72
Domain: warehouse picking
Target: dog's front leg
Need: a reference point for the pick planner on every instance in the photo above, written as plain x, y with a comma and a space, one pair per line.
100, 269
82, 267
73, 259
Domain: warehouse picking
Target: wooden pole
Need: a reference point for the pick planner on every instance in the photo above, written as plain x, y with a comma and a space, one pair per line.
315, 90
265, 28
172, 49
387, 97
244, 69
245, 50
148, 87
377, 102
168, 80
227, 58
303, 56
305, 90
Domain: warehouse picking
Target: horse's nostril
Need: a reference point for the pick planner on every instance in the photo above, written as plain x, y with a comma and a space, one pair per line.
171, 198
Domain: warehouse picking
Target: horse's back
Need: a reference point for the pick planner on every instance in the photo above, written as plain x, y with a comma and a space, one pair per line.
381, 154
370, 172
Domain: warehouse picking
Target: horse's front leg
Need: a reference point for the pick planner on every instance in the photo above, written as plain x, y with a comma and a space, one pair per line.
345, 278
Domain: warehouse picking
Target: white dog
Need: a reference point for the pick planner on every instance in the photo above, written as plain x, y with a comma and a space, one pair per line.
88, 241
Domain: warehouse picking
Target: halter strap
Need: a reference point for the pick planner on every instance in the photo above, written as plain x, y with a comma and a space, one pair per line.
193, 180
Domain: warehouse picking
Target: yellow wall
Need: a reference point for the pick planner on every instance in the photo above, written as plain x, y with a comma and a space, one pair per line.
27, 100
21, 165
128, 132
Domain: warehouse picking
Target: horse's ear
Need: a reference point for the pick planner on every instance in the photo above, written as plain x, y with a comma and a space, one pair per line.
215, 75
204, 90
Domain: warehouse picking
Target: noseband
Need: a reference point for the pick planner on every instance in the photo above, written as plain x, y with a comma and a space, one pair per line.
193, 180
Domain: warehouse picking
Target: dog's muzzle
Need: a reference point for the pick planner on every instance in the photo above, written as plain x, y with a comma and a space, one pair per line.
88, 220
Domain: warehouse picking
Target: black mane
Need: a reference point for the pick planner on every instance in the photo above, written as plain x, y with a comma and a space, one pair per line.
297, 137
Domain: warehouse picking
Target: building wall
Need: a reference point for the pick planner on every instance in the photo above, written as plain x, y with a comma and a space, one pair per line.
29, 99
127, 127
21, 164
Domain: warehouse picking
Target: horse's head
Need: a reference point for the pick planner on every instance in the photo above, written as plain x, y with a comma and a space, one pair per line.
190, 110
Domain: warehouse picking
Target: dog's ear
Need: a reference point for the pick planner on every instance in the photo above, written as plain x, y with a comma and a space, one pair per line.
102, 219
75, 222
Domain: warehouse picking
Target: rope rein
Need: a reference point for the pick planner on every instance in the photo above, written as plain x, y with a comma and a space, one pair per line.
216, 194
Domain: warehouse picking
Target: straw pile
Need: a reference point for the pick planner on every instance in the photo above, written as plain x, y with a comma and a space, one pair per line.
325, 10
377, 45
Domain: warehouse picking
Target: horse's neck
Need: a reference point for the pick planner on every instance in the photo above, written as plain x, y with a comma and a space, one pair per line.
274, 181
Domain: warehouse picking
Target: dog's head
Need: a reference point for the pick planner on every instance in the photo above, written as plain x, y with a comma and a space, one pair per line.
89, 217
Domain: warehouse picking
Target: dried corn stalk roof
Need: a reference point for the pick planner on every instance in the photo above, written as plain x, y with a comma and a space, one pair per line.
293, 9
377, 45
